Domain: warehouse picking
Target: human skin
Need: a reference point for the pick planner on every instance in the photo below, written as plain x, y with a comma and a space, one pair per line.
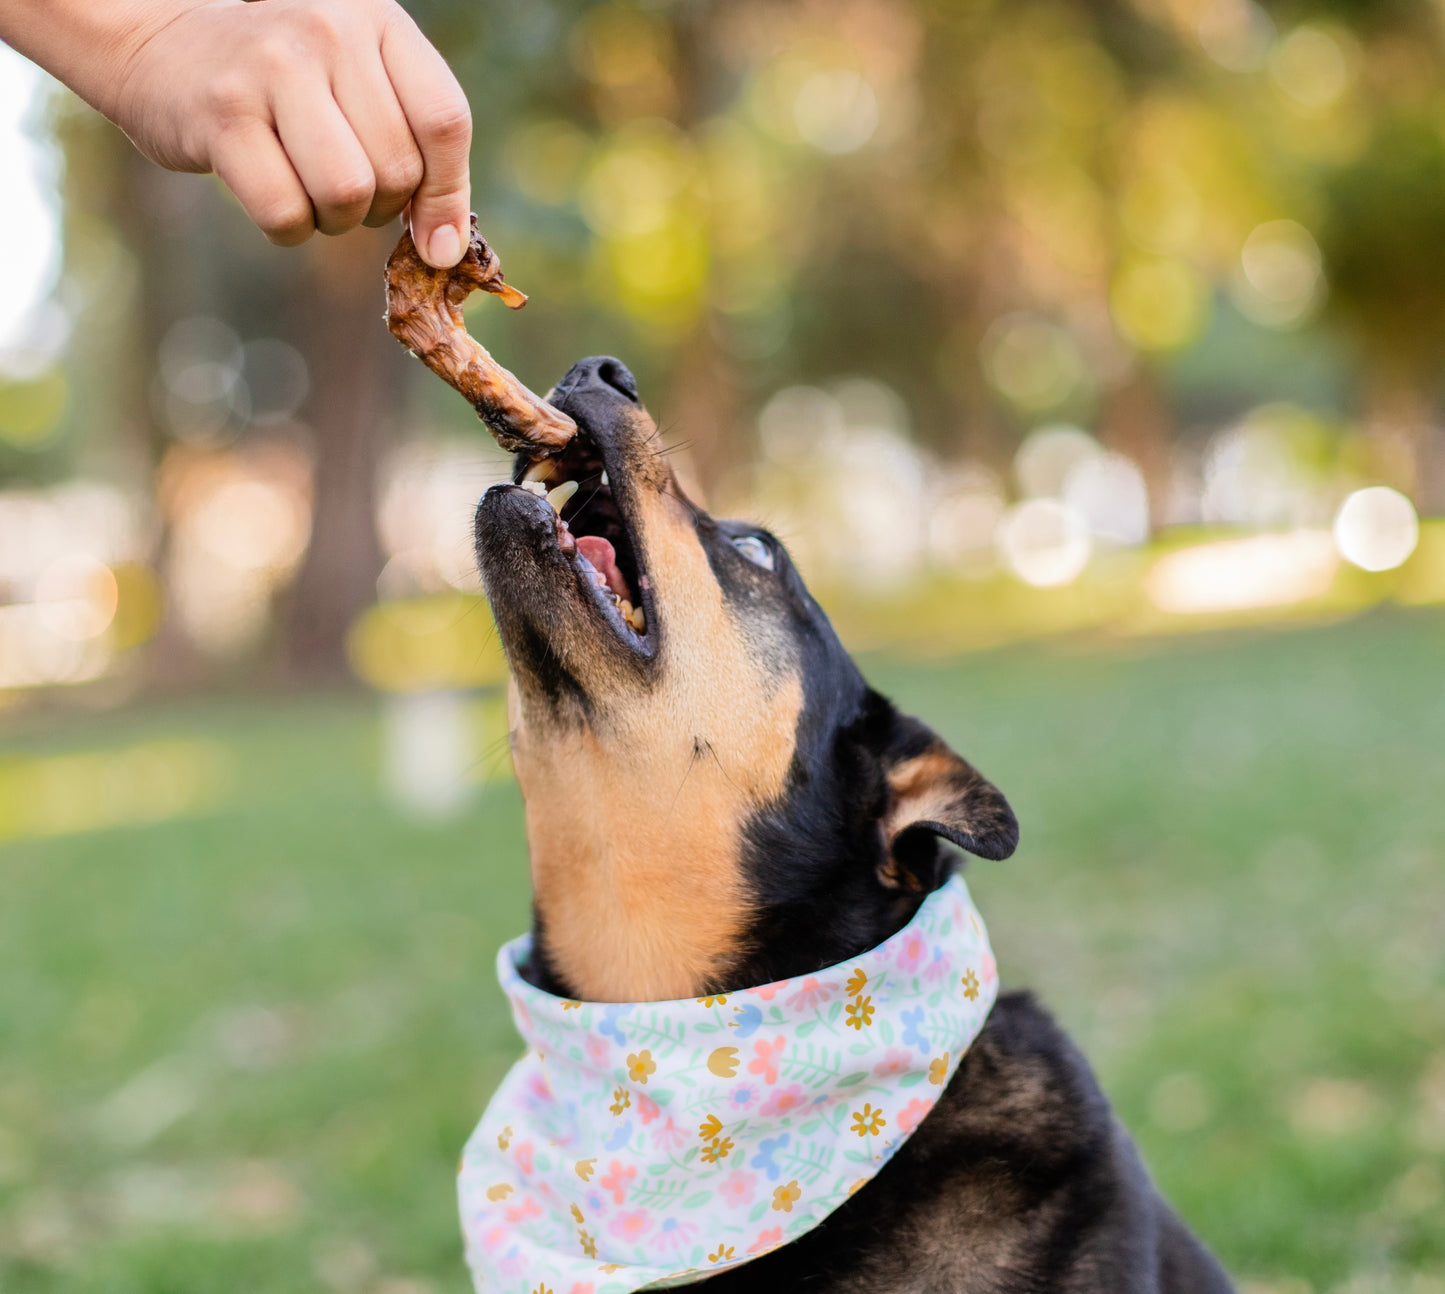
317, 114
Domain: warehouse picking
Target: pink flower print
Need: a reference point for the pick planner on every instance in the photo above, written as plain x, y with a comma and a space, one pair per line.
743, 1097
988, 968
784, 1100
596, 1049
670, 1136
538, 1090
937, 968
769, 1239
736, 1189
632, 1225
524, 1157
528, 1208
897, 1061
674, 1235
766, 1062
811, 996
769, 991
912, 950
581, 1287
647, 1108
494, 1236
617, 1180
912, 1114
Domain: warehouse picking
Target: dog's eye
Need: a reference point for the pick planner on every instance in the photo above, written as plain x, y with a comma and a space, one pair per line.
755, 550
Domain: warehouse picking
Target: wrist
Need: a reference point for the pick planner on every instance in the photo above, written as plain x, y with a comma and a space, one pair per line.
91, 47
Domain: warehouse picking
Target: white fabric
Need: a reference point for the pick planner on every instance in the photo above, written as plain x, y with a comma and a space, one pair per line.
644, 1144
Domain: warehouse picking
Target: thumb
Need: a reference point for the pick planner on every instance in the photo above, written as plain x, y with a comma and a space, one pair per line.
441, 123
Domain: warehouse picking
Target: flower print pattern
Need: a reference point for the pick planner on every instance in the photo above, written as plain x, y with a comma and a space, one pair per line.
784, 1100
765, 1061
810, 996
912, 949
896, 1061
619, 1177
764, 1158
868, 1122
913, 1028
912, 1114
640, 1139
970, 985
736, 1189
786, 1196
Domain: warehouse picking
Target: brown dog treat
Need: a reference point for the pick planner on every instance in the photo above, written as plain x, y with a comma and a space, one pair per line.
424, 313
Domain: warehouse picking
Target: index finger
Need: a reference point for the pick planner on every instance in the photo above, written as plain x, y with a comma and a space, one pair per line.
441, 122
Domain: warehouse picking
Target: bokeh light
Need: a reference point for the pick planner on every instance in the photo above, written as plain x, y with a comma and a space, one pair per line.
1377, 528
1044, 542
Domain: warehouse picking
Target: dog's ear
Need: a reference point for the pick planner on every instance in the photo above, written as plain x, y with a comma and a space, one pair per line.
930, 792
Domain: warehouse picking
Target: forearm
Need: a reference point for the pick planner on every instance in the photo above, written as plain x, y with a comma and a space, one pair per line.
90, 45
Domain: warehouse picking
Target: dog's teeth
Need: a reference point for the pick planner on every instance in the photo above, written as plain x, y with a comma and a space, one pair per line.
605, 481
638, 620
535, 487
625, 607
541, 470
559, 496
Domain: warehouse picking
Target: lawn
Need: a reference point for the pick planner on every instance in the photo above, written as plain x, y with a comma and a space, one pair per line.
241, 1045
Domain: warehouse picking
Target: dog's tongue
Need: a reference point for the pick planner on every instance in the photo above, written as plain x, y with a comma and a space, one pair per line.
603, 556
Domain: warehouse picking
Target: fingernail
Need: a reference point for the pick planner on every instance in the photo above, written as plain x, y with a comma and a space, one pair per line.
445, 247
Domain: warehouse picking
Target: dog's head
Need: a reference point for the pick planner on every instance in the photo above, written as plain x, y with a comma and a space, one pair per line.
714, 796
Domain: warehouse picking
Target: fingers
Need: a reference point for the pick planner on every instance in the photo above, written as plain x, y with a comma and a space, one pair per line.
441, 123
365, 96
251, 163
327, 156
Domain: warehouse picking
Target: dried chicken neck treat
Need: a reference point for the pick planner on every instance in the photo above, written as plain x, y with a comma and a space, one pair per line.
424, 313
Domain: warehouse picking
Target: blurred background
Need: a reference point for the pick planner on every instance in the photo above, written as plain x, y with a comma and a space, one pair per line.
1089, 358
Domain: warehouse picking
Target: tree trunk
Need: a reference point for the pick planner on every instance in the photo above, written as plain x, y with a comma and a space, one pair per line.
357, 378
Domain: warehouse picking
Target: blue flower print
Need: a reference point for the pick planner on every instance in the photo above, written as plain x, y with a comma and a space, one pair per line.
748, 1019
621, 1135
912, 1034
764, 1158
608, 1028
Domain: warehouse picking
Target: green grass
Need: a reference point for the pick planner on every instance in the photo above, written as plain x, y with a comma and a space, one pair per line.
241, 1050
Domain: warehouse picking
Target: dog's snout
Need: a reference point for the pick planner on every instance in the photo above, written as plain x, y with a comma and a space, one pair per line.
599, 373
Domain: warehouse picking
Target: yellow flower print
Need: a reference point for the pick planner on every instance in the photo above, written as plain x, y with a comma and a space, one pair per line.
868, 1122
855, 983
577, 1213
585, 1169
724, 1062
713, 999
621, 1100
970, 986
504, 1138
640, 1065
858, 1186
498, 1192
588, 1243
542, 1289
709, 1127
571, 1005
786, 1196
717, 1150
859, 1013
938, 1069
724, 1254
609, 1268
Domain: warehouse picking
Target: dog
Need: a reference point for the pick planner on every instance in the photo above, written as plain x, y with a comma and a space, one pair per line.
715, 798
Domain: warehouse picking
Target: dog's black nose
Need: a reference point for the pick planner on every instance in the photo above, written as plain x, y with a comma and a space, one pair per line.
598, 372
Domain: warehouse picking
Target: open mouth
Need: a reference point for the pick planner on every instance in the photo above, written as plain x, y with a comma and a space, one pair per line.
593, 534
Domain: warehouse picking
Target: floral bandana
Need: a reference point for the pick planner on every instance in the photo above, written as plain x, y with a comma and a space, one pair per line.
644, 1144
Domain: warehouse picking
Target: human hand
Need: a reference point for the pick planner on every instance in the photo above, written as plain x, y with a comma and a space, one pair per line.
316, 114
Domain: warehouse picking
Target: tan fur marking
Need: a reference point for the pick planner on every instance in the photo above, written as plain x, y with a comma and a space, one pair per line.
925, 788
635, 820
